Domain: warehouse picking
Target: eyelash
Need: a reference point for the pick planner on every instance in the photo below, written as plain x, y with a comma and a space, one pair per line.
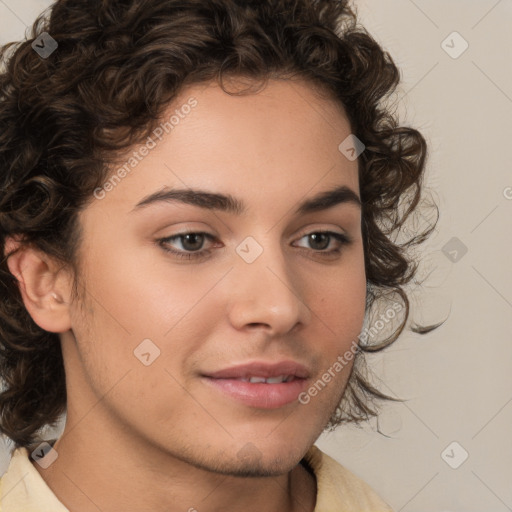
343, 240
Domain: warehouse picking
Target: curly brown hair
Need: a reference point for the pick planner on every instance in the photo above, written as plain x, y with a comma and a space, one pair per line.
66, 117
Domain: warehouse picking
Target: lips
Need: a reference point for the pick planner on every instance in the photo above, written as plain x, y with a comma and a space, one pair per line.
262, 370
260, 385
269, 380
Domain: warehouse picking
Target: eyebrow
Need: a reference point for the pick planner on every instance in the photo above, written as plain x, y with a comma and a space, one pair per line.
230, 204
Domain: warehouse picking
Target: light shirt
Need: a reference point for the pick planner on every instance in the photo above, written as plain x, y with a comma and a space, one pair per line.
22, 489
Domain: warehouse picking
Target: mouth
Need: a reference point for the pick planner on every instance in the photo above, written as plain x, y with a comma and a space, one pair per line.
260, 385
270, 380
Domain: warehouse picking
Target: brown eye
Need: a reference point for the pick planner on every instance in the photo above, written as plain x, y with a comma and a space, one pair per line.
191, 244
319, 241
192, 241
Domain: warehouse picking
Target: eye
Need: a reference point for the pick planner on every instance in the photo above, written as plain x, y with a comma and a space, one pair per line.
321, 240
192, 243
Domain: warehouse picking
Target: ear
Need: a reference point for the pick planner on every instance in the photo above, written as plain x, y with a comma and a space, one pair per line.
44, 284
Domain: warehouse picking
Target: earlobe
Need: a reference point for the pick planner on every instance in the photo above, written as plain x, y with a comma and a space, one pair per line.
43, 285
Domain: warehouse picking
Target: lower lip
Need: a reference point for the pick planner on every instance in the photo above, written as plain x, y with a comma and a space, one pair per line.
260, 394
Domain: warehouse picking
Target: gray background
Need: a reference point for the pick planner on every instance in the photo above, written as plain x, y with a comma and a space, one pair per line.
457, 380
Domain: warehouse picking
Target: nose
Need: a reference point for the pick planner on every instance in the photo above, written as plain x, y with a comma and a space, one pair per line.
267, 293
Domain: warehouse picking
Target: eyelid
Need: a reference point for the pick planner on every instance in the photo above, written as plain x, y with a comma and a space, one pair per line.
343, 240
303, 232
319, 228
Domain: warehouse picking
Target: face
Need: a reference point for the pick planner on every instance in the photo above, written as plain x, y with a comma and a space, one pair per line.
190, 303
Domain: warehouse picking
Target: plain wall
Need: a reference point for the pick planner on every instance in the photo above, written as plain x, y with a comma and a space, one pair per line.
457, 380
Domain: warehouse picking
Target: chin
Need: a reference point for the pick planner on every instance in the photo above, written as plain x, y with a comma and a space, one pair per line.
251, 467
249, 461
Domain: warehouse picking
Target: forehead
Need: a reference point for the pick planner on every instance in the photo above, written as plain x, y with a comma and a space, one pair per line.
282, 139
289, 100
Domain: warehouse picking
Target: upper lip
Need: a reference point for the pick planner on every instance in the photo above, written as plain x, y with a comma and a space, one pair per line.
261, 369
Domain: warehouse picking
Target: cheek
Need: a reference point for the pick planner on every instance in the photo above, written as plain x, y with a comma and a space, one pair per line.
113, 361
143, 294
134, 307
341, 301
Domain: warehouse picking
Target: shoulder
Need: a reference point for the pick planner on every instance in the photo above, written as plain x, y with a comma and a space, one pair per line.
338, 489
22, 489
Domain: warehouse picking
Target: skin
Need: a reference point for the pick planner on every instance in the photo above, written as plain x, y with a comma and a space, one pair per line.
176, 441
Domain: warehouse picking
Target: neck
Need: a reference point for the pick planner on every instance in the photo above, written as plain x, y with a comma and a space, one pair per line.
108, 473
